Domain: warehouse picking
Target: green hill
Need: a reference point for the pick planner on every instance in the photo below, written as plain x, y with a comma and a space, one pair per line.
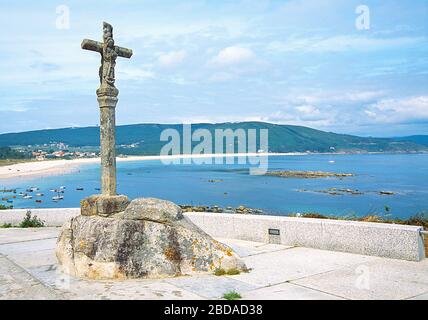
419, 139
282, 138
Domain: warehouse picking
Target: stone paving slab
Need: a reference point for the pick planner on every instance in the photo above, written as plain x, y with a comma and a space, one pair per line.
34, 259
248, 248
210, 286
130, 289
16, 283
28, 270
287, 291
27, 246
423, 296
291, 264
378, 279
19, 235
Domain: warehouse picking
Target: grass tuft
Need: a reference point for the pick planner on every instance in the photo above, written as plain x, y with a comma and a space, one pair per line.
233, 272
232, 295
219, 272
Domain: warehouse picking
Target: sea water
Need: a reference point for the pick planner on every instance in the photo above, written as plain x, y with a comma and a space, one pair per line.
406, 175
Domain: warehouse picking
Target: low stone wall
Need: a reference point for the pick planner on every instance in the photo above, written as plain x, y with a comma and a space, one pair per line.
52, 217
374, 239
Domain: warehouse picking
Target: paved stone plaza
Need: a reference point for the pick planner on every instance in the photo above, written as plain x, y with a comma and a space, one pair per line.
28, 270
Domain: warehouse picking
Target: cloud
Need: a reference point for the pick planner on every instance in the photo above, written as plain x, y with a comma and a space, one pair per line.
222, 76
45, 66
309, 112
232, 56
172, 58
331, 97
293, 118
342, 43
135, 73
414, 109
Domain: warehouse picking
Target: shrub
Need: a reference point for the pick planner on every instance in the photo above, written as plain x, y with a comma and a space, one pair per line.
31, 222
6, 226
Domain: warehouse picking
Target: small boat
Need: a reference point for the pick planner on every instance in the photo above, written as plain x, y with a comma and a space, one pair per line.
21, 194
80, 189
332, 161
4, 199
39, 194
62, 188
57, 198
97, 189
9, 201
27, 197
38, 201
53, 190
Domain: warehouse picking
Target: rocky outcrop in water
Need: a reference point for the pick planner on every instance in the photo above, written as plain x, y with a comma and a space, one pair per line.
308, 174
217, 209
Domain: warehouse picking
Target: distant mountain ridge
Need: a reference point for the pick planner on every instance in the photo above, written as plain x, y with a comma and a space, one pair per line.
145, 138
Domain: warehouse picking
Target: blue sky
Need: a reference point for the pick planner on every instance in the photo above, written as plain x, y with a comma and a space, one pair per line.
298, 62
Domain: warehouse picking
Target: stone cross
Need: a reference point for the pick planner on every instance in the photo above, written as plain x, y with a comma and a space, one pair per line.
107, 99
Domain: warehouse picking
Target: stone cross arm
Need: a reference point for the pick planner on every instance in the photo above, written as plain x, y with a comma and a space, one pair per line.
98, 47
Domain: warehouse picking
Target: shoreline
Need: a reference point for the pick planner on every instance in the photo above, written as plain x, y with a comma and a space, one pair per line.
35, 169
43, 168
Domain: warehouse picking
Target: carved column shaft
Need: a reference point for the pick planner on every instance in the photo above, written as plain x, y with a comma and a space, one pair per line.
108, 142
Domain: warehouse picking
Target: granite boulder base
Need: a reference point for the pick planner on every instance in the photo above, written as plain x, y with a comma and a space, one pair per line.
148, 239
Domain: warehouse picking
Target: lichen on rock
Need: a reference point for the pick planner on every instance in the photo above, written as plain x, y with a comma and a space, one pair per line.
150, 239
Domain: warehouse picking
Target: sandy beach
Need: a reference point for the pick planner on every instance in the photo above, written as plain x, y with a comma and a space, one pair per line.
59, 167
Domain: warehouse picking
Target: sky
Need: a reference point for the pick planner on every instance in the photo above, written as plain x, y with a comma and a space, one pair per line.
358, 67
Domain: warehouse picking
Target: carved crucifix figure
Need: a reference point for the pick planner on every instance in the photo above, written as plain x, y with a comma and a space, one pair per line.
109, 52
107, 99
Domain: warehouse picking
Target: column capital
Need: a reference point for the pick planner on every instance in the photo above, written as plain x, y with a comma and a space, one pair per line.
107, 96
107, 102
107, 91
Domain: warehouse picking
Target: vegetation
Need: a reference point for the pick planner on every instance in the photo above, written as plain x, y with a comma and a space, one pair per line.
420, 219
423, 140
231, 272
232, 295
31, 221
6, 226
3, 207
282, 138
219, 272
9, 153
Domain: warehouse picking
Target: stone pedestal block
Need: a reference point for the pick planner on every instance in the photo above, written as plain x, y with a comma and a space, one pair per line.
103, 205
